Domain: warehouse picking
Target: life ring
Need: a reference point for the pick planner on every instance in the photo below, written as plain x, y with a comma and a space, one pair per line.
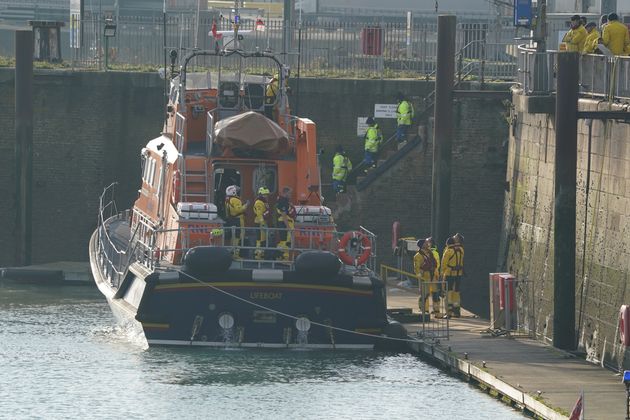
177, 184
624, 325
365, 242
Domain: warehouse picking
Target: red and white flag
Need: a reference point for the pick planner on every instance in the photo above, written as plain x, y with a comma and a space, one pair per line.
578, 409
213, 31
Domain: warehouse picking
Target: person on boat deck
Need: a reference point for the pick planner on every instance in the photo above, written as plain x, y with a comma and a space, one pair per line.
425, 266
262, 215
373, 139
576, 36
286, 219
404, 117
341, 168
271, 92
452, 272
235, 216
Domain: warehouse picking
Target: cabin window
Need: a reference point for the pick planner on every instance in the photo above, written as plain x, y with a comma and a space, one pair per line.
265, 176
151, 177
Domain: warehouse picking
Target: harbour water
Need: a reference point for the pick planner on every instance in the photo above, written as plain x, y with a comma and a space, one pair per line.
61, 356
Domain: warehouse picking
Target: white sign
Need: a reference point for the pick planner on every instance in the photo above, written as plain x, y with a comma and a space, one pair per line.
361, 126
385, 110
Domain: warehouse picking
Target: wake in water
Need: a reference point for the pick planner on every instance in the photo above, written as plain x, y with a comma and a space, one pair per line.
122, 334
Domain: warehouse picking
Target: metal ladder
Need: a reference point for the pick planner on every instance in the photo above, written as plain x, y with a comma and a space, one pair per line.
198, 178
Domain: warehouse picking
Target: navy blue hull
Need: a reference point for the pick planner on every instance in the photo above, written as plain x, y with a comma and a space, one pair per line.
181, 313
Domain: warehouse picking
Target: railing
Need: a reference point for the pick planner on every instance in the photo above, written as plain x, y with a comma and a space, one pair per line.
432, 301
600, 76
280, 247
315, 48
113, 258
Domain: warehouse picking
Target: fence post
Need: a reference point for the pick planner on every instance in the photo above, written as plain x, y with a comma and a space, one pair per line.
459, 65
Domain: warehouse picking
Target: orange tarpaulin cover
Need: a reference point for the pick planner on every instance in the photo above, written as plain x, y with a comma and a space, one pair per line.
251, 130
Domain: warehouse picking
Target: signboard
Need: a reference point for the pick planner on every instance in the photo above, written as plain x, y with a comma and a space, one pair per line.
76, 17
385, 110
523, 13
361, 126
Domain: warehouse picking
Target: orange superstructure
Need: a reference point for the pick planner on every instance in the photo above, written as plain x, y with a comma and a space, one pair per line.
218, 132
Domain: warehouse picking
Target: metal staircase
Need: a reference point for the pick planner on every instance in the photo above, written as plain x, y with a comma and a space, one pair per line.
195, 180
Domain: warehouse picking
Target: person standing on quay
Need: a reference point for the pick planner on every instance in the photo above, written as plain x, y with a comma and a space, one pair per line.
425, 266
452, 272
615, 35
576, 36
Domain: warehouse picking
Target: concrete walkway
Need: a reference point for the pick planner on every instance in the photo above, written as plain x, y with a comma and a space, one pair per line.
524, 370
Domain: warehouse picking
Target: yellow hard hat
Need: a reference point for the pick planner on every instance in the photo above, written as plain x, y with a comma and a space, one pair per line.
217, 232
263, 191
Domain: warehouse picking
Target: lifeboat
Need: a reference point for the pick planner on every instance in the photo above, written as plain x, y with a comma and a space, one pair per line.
180, 265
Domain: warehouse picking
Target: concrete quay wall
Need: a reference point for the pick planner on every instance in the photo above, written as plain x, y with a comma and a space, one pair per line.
602, 272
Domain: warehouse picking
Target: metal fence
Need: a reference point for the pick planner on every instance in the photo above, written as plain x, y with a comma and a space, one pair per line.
600, 76
369, 49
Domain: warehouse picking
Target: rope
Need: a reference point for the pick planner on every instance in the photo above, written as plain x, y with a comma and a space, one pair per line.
266, 308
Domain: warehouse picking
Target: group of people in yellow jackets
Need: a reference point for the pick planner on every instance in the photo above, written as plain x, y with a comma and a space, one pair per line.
373, 139
439, 278
235, 216
584, 37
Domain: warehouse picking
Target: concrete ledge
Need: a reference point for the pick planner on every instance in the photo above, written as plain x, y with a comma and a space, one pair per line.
534, 104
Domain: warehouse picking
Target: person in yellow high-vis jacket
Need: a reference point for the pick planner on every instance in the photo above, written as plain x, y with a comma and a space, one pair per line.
404, 117
341, 168
235, 216
592, 39
373, 140
261, 218
575, 38
615, 35
452, 270
425, 265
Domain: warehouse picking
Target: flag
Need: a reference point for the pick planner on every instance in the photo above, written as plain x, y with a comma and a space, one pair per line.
213, 31
578, 409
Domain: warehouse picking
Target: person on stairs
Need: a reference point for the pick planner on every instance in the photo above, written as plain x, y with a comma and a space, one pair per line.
373, 139
404, 117
261, 218
425, 265
235, 216
341, 168
452, 272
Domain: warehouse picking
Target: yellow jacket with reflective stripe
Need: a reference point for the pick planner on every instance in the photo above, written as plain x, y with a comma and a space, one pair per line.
235, 207
615, 37
590, 44
453, 261
404, 113
575, 39
373, 138
260, 208
341, 167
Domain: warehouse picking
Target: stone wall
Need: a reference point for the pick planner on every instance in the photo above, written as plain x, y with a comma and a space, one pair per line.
603, 225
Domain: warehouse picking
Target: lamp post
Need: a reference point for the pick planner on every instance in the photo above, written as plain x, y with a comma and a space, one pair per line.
108, 32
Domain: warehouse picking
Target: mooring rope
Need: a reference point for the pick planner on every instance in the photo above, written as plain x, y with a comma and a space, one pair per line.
249, 302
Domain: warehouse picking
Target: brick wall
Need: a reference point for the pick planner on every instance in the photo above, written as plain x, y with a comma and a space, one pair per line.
88, 132
602, 240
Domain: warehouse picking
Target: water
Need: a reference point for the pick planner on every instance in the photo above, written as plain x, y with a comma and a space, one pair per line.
61, 356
